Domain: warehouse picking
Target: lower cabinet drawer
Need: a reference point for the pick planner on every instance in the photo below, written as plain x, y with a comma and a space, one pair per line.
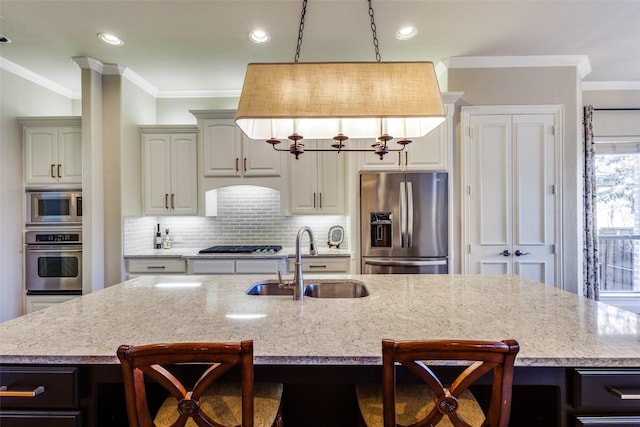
157, 266
213, 266
607, 389
620, 421
38, 388
321, 265
40, 418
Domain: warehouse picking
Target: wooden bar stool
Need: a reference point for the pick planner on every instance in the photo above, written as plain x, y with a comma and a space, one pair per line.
209, 402
429, 403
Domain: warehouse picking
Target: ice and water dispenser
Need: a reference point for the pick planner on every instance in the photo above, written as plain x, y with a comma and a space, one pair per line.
380, 226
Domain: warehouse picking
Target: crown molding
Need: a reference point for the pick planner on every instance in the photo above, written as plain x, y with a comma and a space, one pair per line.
234, 93
612, 85
26, 74
581, 62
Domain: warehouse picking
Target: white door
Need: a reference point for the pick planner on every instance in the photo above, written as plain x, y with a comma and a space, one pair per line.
156, 157
70, 155
510, 195
41, 155
331, 182
184, 175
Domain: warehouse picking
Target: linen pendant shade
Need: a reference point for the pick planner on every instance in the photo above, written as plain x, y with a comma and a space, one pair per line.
355, 99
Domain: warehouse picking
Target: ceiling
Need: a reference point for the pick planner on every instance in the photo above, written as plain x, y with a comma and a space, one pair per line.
189, 46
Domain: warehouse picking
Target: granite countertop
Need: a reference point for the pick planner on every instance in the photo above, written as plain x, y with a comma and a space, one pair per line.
285, 252
553, 327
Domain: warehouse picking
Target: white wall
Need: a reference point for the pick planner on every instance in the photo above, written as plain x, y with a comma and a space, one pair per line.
20, 98
538, 86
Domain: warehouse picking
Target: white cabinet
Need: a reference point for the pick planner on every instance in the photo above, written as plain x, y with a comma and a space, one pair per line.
428, 152
40, 302
52, 150
320, 264
156, 265
431, 152
237, 266
317, 181
227, 152
169, 167
510, 186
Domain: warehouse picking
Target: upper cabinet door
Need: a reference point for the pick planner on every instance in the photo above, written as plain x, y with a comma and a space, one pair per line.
427, 152
259, 158
184, 177
156, 169
70, 155
222, 148
169, 168
52, 155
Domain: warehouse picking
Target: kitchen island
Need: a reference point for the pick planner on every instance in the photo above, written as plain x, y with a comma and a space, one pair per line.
321, 345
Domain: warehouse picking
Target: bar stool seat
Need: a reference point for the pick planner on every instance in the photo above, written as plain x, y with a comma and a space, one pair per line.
430, 403
211, 398
413, 403
223, 401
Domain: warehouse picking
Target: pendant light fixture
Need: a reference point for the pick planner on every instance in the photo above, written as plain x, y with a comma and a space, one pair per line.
339, 100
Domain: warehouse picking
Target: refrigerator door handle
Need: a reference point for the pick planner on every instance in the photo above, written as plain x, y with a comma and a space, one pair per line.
409, 214
403, 214
405, 263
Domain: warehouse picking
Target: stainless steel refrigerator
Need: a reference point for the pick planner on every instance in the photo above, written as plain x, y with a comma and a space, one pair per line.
404, 223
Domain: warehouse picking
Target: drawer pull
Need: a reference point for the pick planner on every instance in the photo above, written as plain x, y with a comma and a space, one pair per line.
21, 391
317, 266
625, 393
156, 267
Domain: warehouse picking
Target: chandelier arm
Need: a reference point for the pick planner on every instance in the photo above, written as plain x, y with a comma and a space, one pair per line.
300, 30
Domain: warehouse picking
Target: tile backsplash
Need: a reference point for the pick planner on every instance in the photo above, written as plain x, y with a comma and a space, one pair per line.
247, 214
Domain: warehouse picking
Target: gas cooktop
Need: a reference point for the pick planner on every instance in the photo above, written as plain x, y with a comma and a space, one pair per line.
243, 249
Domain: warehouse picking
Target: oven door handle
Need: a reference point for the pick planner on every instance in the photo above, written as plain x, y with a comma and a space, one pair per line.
56, 249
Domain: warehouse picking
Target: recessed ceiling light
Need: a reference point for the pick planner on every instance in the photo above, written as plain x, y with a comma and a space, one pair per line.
110, 39
406, 33
259, 36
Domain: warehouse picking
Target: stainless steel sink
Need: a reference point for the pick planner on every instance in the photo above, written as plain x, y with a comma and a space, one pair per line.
336, 289
319, 288
268, 287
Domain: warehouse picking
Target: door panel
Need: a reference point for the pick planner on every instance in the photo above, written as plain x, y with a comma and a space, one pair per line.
489, 193
511, 195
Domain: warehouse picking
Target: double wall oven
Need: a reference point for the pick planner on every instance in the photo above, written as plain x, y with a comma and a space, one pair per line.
53, 243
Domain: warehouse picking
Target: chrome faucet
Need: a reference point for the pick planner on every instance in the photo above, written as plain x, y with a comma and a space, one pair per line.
298, 282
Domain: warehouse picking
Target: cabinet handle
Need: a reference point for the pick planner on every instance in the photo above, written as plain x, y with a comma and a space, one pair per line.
245, 164
317, 266
399, 159
59, 166
156, 267
166, 200
406, 158
20, 392
52, 174
625, 393
173, 201
237, 170
320, 198
314, 200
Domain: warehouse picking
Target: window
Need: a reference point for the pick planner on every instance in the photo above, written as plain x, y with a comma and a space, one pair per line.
618, 217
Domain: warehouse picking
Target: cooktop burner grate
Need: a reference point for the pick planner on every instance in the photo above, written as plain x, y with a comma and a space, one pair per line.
242, 249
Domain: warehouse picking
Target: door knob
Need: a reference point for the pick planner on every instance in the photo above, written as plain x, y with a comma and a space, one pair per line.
519, 253
505, 253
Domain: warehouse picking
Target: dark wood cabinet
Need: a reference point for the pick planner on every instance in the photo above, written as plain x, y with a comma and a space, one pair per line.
606, 397
39, 395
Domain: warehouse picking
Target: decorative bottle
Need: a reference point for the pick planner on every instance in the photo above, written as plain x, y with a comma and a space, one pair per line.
158, 241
